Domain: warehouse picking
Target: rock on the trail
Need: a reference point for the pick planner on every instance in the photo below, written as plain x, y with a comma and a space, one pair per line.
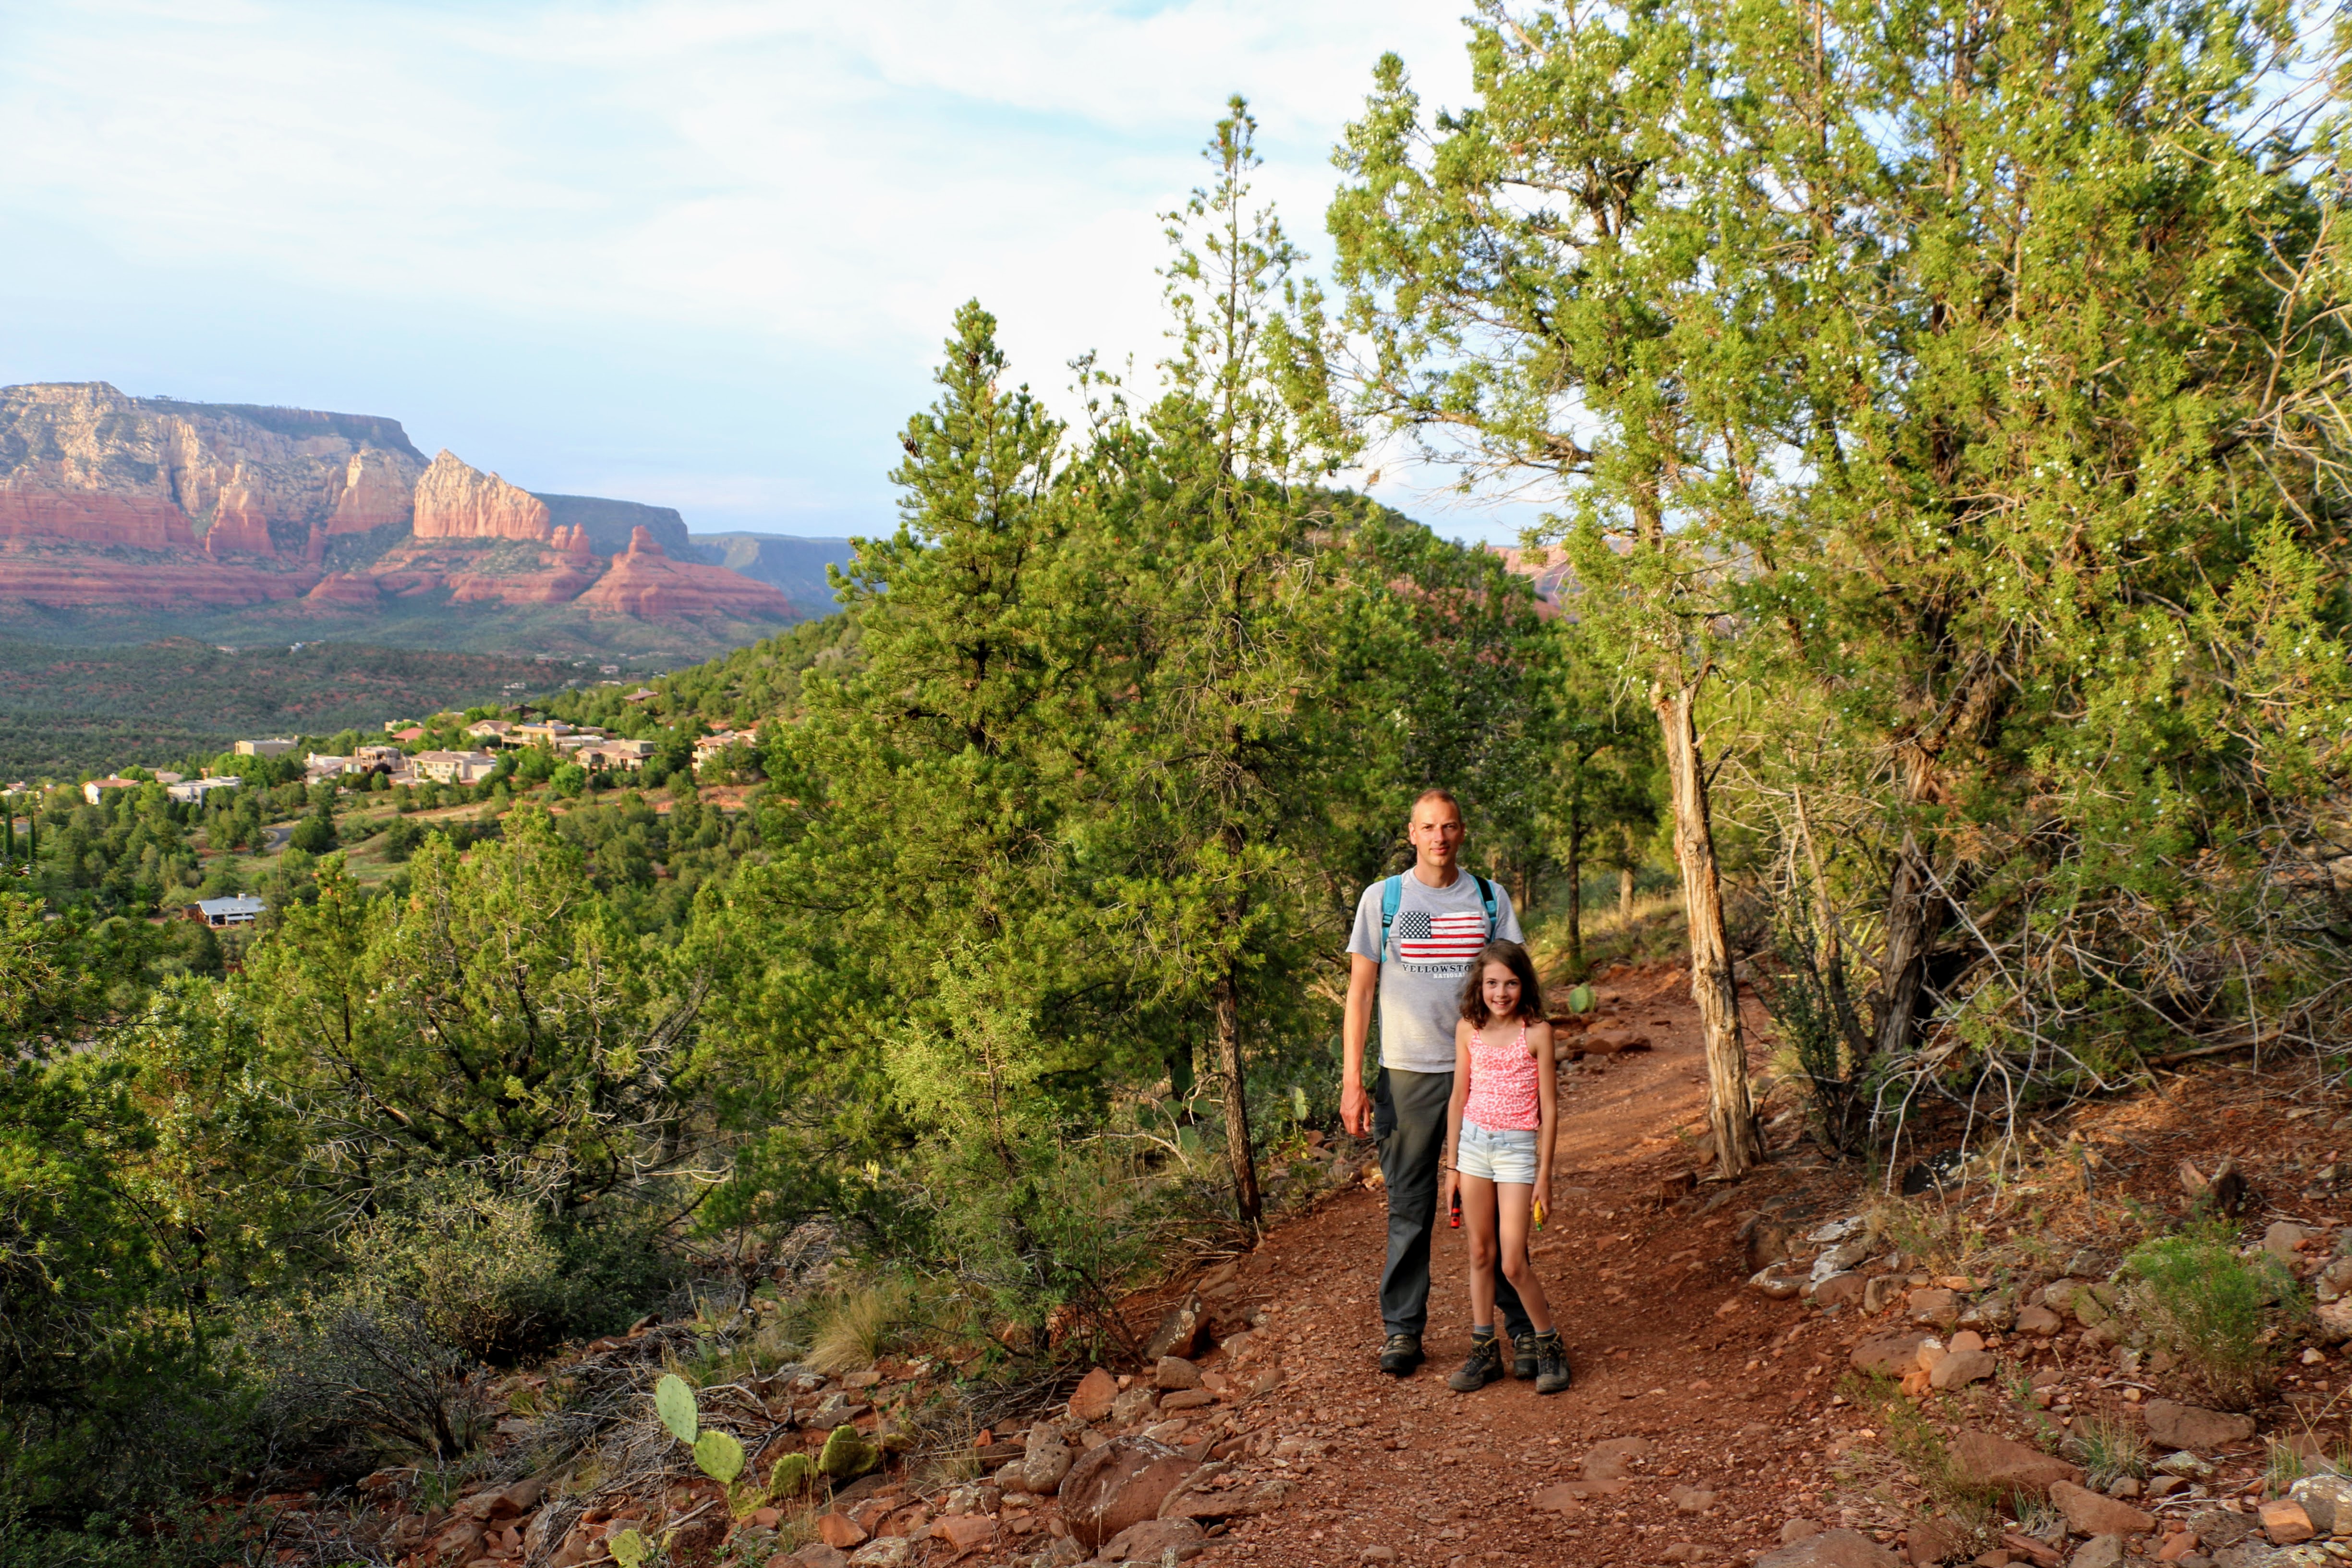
1119, 1484
1831, 1549
838, 1531
1173, 1372
2282, 1239
965, 1532
2326, 1501
1561, 1496
1995, 1464
1095, 1394
890, 1552
815, 1554
1887, 1355
1770, 1281
1187, 1399
1690, 1499
1377, 1554
1153, 1539
2091, 1513
1140, 1399
2039, 1320
1613, 1459
1840, 1291
1934, 1541
1936, 1307
1179, 1332
1043, 1461
1963, 1367
2099, 1552
2285, 1522
1205, 1495
1798, 1530
1881, 1292
2191, 1427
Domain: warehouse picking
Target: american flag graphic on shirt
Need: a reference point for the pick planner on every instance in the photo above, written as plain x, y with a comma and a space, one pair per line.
1425, 938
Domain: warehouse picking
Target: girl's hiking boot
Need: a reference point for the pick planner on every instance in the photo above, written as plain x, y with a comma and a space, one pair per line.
1400, 1353
1485, 1365
1552, 1374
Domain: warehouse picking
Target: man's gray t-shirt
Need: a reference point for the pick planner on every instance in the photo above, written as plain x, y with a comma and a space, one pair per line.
1435, 940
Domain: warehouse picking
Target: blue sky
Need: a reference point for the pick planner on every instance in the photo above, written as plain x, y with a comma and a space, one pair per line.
694, 253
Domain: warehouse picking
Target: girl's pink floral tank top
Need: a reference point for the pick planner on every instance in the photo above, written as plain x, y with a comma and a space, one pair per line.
1502, 1086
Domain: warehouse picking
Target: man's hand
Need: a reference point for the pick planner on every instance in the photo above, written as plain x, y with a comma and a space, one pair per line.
1355, 1109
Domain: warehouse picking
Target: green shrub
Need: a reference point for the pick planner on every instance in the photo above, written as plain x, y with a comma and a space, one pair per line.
315, 834
2215, 1311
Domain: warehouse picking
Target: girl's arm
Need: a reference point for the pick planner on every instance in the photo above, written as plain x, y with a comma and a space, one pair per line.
1449, 1158
1546, 1104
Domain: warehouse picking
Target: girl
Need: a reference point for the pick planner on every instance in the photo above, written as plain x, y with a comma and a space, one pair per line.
1499, 1128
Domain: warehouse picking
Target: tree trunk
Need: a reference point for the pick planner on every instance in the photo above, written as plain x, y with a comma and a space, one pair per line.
1625, 879
1575, 869
1237, 1128
1729, 1111
1912, 916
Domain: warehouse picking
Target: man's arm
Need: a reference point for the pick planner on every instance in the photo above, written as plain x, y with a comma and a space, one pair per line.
1364, 990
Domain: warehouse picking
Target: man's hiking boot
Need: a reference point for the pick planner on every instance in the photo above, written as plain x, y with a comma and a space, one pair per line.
1523, 1356
1552, 1375
1400, 1353
1485, 1365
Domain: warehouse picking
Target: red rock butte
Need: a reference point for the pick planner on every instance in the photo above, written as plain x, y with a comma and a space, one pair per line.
647, 583
152, 503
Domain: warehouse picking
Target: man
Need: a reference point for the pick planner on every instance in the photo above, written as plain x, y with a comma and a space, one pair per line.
1416, 936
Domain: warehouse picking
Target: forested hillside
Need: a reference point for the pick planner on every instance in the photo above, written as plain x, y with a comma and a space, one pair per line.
1946, 416
66, 711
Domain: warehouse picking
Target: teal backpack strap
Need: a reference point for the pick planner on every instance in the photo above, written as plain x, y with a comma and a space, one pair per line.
1391, 894
1487, 896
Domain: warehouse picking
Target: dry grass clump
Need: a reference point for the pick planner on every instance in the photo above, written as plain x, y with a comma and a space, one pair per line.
856, 1327
2108, 1449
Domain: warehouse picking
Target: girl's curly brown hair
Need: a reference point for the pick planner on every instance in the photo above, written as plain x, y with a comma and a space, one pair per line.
1511, 956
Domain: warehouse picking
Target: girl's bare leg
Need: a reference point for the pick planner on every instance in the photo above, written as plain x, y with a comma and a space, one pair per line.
1479, 1214
1514, 1200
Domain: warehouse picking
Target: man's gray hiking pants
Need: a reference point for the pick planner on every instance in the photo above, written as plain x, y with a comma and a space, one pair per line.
1409, 1125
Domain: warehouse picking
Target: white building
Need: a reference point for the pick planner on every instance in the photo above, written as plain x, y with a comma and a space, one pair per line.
264, 748
454, 767
193, 791
237, 911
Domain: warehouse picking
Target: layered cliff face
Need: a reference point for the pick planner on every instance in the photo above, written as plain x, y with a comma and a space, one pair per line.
149, 503
455, 501
84, 465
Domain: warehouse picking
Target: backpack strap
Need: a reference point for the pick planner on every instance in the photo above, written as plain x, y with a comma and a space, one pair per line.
1391, 894
1487, 896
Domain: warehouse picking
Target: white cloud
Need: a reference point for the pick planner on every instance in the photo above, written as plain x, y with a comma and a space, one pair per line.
829, 181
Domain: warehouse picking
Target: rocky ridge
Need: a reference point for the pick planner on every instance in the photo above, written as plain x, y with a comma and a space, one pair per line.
109, 501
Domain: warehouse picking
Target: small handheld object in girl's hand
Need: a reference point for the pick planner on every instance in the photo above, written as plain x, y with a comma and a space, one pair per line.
1454, 1210
1540, 1214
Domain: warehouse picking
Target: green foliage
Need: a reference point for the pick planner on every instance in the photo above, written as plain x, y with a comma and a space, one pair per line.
315, 834
498, 1018
2217, 1311
64, 712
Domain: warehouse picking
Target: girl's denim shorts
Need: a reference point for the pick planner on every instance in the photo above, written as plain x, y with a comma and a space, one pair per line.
1506, 1155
